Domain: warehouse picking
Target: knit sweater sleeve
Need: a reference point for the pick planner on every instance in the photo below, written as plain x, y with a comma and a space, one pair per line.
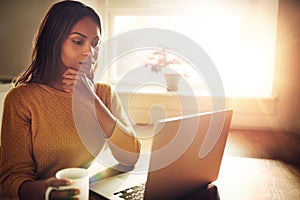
16, 156
123, 142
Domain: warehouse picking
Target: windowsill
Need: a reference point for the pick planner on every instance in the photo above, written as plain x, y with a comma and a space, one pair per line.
140, 103
161, 90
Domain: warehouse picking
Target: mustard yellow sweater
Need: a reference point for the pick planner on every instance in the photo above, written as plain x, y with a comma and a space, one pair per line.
41, 135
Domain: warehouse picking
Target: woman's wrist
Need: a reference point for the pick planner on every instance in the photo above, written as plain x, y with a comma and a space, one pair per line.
33, 190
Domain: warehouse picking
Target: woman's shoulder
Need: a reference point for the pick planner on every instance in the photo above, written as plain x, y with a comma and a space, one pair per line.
104, 90
104, 87
103, 84
23, 91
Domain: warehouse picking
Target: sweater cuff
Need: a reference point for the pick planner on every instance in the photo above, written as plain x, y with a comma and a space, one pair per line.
12, 191
124, 139
124, 146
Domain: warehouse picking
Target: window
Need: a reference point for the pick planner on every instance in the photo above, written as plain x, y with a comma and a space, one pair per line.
239, 36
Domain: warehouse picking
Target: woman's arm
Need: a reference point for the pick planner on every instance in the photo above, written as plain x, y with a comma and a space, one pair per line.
17, 164
115, 124
17, 170
123, 141
110, 115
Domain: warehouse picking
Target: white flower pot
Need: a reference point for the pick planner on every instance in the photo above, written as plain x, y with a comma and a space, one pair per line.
172, 81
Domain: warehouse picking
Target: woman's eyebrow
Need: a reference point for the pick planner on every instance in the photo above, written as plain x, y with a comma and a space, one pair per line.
77, 33
82, 35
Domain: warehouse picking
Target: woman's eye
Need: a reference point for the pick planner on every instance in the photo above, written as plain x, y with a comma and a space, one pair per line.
96, 44
77, 42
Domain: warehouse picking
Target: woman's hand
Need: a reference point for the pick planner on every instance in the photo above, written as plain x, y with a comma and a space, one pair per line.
83, 89
69, 78
61, 194
82, 80
81, 85
35, 190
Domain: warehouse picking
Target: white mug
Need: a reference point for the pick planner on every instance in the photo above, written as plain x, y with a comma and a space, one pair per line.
79, 178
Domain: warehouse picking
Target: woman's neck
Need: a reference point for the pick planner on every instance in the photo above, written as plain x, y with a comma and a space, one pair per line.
57, 86
57, 81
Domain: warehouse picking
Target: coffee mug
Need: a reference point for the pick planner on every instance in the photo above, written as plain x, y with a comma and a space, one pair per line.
79, 178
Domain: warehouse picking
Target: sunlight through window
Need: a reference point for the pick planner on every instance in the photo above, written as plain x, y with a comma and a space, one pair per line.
240, 39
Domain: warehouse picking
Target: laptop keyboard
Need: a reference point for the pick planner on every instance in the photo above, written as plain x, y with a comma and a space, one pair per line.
132, 193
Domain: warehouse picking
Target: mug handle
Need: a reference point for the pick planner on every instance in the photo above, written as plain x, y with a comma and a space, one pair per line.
48, 191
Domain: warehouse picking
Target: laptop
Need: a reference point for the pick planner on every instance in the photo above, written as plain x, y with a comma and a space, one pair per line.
186, 154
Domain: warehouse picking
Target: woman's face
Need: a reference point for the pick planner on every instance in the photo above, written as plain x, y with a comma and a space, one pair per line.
80, 50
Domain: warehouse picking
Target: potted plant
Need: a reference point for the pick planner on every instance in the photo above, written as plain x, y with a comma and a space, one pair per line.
159, 61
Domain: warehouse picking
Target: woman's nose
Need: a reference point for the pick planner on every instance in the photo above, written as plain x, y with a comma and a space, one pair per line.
88, 50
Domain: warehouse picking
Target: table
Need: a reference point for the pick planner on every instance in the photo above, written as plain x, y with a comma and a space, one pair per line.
249, 178
252, 178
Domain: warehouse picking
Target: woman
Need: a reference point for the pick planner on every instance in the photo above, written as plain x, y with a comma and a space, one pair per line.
40, 133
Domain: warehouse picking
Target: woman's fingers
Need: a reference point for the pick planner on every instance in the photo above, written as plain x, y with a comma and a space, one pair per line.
69, 78
61, 194
72, 70
53, 182
64, 194
71, 75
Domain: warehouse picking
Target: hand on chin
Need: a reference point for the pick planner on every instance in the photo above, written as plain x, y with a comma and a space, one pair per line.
88, 69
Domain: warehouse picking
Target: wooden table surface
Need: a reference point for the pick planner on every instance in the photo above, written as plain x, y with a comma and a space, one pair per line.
250, 178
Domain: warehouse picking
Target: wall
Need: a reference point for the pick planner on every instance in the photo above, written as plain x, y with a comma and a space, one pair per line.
287, 81
20, 19
19, 22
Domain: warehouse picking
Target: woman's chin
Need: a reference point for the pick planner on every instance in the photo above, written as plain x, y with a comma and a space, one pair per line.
73, 67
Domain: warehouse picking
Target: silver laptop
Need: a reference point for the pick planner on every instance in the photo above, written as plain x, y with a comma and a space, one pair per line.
186, 154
